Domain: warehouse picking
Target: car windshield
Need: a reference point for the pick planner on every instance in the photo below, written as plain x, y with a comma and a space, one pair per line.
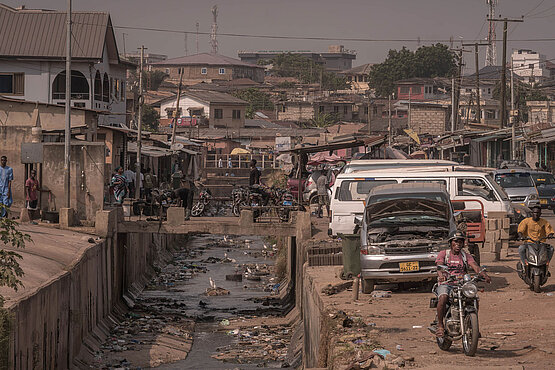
514, 180
358, 189
543, 178
502, 193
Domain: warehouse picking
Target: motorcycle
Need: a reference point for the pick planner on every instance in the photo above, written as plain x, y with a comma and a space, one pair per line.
535, 274
239, 199
461, 314
200, 206
287, 201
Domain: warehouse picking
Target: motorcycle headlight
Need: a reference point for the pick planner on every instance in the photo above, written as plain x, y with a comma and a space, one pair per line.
469, 290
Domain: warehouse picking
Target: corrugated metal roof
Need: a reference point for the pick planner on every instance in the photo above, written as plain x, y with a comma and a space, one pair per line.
42, 33
210, 97
205, 59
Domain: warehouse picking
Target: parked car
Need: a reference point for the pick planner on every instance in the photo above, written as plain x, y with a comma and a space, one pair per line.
350, 190
545, 184
404, 226
519, 186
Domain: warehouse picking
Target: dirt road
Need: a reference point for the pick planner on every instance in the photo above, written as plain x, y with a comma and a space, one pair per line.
517, 325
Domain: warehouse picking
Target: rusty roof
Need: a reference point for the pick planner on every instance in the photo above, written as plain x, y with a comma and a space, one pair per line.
30, 33
205, 59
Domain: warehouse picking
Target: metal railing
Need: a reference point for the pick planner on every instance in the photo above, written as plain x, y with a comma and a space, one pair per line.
239, 160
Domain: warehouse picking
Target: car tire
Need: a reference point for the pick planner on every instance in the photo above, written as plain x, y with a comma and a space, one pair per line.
367, 286
313, 199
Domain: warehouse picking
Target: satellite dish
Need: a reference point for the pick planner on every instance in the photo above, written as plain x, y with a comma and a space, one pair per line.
176, 146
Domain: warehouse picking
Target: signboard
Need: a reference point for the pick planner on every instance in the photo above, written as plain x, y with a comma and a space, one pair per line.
283, 143
187, 121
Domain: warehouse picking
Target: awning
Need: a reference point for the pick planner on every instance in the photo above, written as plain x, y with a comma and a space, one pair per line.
236, 151
149, 151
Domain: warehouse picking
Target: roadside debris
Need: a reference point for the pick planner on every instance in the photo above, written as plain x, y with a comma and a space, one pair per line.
381, 294
337, 288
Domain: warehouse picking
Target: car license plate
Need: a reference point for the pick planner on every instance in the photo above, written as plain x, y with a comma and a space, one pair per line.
409, 266
543, 201
287, 203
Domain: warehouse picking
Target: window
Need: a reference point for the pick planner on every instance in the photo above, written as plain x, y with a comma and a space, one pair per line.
489, 90
475, 187
427, 181
531, 66
106, 88
167, 71
79, 86
468, 90
222, 71
321, 109
97, 86
79, 105
12, 83
428, 89
345, 109
218, 113
375, 110
335, 109
416, 89
359, 189
203, 71
404, 89
236, 114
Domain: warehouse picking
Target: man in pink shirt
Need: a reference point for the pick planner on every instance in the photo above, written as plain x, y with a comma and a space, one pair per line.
457, 262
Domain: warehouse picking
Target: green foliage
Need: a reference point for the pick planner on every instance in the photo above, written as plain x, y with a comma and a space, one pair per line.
153, 79
150, 117
523, 93
258, 100
307, 71
427, 61
10, 271
323, 120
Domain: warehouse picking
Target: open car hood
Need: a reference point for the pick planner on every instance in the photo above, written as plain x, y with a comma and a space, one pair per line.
407, 207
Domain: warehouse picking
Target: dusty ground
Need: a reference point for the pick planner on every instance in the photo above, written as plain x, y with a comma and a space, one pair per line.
517, 325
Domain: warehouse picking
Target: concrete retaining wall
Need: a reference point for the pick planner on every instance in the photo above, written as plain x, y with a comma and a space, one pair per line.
74, 311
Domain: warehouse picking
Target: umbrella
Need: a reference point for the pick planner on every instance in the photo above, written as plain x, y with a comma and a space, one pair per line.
322, 157
240, 151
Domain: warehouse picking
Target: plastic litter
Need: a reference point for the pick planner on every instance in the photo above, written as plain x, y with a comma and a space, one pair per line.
549, 294
224, 322
382, 352
399, 347
417, 326
381, 294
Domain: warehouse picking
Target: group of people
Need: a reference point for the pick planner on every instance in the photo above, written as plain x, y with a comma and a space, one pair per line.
124, 183
6, 195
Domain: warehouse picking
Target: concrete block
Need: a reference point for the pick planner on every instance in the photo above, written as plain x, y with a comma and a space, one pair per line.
246, 218
497, 214
489, 246
489, 257
493, 235
506, 223
67, 217
504, 234
176, 216
106, 222
492, 224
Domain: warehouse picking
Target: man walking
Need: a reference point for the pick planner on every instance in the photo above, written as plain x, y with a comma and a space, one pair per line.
254, 176
323, 199
6, 178
31, 193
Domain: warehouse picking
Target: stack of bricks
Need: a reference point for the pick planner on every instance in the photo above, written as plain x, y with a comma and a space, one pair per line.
496, 243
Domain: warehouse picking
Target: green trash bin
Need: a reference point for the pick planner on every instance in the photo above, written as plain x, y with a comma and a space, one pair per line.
350, 245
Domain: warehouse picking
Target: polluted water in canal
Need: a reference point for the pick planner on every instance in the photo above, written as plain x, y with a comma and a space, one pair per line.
206, 309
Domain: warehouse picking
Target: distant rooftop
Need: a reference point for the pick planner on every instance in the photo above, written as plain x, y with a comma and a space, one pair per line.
205, 59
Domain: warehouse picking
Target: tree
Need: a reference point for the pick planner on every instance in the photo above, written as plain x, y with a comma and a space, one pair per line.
153, 79
523, 93
150, 118
324, 120
307, 71
427, 61
258, 100
10, 271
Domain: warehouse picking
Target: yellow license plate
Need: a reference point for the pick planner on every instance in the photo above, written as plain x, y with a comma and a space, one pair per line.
409, 266
543, 201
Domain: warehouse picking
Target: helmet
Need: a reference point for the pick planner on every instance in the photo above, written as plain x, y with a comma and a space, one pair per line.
457, 235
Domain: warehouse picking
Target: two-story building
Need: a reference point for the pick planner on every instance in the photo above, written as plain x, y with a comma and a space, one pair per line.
419, 89
32, 60
357, 77
208, 67
218, 108
530, 65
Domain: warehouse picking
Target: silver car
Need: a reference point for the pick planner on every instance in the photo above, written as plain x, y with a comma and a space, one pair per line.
404, 227
519, 186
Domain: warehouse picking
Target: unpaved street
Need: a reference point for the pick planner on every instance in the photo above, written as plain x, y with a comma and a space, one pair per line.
517, 325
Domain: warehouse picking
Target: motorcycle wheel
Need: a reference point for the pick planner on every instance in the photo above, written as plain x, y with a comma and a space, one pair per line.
367, 286
470, 338
197, 209
536, 283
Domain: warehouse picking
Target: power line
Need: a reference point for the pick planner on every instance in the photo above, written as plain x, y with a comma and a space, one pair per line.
534, 8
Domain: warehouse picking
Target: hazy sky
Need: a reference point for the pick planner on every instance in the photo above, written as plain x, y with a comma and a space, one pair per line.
369, 19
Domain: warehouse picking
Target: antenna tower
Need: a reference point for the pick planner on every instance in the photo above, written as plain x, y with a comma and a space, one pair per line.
491, 55
197, 25
213, 39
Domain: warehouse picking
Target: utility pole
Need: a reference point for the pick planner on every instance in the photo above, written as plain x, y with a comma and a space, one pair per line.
389, 118
174, 123
369, 118
197, 25
186, 46
453, 111
409, 112
67, 136
139, 128
457, 91
513, 118
476, 62
504, 68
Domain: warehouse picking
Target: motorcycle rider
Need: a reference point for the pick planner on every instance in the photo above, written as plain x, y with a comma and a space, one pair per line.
457, 262
534, 228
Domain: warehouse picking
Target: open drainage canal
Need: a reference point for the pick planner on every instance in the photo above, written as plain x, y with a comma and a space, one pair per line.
190, 314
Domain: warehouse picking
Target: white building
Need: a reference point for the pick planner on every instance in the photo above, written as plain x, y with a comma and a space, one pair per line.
530, 65
32, 60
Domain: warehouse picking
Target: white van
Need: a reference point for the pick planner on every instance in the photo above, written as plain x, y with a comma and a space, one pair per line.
350, 190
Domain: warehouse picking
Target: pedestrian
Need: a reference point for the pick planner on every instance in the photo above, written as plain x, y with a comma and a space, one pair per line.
141, 184
220, 163
6, 178
229, 163
254, 176
120, 185
323, 199
149, 183
130, 179
31, 193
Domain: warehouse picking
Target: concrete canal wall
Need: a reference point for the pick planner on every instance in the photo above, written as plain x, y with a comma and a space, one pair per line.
73, 310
